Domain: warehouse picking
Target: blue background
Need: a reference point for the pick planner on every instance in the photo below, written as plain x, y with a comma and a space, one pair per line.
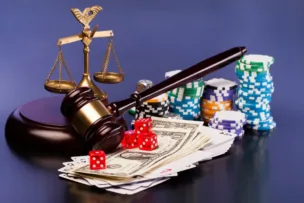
152, 37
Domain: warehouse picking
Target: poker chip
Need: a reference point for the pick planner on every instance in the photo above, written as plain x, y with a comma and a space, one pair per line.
220, 84
185, 100
217, 96
257, 60
171, 73
255, 90
231, 122
157, 107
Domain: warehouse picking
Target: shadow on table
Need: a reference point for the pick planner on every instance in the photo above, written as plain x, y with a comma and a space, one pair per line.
47, 160
251, 167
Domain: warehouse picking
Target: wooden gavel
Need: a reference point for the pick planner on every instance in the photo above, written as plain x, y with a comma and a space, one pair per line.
98, 124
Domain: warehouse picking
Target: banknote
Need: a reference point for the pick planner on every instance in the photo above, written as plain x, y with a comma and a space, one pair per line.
166, 123
127, 163
182, 145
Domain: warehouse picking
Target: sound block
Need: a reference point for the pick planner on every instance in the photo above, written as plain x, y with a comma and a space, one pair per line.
39, 127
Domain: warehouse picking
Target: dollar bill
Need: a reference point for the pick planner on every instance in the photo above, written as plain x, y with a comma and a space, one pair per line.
127, 163
193, 126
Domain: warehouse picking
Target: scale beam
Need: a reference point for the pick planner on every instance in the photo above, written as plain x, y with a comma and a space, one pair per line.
79, 37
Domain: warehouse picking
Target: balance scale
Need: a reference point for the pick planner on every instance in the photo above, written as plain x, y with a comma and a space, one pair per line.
39, 124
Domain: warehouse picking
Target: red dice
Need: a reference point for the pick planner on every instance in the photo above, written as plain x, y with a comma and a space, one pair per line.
129, 140
147, 141
97, 160
143, 125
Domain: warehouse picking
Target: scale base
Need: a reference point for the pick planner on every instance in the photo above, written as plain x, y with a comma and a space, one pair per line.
39, 127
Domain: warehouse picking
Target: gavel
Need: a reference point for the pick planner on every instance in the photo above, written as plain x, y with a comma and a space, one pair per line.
98, 123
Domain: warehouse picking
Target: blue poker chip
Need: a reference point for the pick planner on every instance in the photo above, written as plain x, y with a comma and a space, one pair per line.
254, 98
269, 88
256, 91
261, 88
257, 83
251, 111
263, 126
252, 106
251, 114
251, 74
260, 121
251, 99
243, 100
261, 117
252, 94
254, 79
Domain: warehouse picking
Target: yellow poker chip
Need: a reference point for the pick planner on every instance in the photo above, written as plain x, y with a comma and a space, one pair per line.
160, 98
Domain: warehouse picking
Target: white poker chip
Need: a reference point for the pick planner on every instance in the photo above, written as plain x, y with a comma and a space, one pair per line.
171, 73
221, 83
257, 60
233, 116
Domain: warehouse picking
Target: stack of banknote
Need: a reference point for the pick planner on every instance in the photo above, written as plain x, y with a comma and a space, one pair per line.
182, 145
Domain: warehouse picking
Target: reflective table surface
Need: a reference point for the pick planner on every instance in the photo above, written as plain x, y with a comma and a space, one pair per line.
151, 38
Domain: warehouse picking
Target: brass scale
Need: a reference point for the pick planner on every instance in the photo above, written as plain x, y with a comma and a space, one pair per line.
64, 86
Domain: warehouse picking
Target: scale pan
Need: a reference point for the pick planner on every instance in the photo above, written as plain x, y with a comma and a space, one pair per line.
59, 86
108, 77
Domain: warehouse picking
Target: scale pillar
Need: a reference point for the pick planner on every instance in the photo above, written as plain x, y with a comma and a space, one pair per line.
86, 80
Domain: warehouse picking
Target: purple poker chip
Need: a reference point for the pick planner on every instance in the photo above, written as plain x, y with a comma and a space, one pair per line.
220, 92
212, 97
237, 132
226, 126
229, 122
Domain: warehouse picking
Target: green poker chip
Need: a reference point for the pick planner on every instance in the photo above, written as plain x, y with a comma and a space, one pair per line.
244, 67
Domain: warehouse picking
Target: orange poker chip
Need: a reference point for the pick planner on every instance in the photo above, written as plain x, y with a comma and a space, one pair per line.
208, 117
216, 103
160, 98
209, 112
217, 108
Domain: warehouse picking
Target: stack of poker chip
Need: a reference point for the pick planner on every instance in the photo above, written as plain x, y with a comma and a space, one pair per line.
142, 85
218, 96
185, 100
158, 107
231, 122
255, 90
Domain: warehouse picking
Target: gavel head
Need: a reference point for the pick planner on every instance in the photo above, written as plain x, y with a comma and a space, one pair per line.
91, 119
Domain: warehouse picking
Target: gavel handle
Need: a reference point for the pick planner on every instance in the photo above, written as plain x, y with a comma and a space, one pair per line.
195, 72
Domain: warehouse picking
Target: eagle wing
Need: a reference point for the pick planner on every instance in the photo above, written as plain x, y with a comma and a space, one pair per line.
79, 16
95, 10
